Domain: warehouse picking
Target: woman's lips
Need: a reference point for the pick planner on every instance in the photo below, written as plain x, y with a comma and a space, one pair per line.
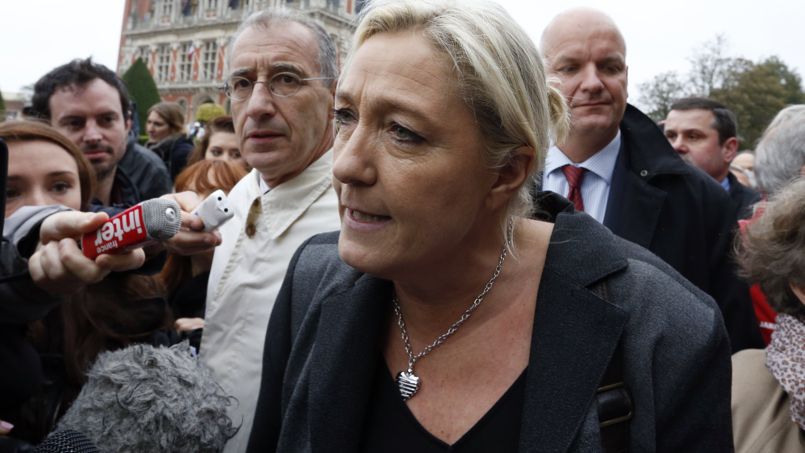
363, 222
365, 217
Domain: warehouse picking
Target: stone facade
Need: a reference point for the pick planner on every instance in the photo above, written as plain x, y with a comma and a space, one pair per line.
184, 43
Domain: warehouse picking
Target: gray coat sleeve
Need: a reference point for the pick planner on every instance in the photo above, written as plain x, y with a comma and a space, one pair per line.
21, 301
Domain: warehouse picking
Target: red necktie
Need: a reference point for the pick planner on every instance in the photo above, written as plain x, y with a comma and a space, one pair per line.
574, 176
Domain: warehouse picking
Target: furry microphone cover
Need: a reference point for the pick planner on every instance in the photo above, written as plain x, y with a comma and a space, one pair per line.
155, 399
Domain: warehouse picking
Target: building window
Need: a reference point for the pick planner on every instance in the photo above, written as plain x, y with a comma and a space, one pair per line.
163, 62
209, 58
167, 8
211, 4
186, 51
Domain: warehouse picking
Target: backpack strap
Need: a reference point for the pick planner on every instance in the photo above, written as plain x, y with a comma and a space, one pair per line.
615, 406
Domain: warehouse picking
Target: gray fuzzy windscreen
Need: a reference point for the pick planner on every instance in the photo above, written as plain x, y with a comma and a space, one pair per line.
151, 399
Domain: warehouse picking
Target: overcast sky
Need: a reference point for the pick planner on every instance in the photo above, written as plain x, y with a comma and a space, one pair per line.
37, 35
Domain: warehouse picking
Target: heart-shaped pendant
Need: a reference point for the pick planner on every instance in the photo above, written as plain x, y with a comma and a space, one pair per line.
408, 382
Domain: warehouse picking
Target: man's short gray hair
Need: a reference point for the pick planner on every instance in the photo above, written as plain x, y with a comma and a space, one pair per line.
780, 154
143, 398
328, 54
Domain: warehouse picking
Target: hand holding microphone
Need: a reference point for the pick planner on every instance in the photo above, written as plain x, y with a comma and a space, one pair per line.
138, 226
192, 238
60, 267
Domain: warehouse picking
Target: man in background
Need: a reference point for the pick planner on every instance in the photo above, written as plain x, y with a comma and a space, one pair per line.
704, 133
617, 166
89, 104
283, 70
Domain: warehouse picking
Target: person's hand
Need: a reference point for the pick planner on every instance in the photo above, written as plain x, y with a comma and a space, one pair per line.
59, 267
5, 427
191, 238
188, 324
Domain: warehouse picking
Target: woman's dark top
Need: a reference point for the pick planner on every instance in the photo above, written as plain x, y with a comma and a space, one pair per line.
188, 301
189, 298
174, 151
391, 427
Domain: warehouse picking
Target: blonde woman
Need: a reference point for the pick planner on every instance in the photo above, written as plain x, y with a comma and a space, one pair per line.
443, 318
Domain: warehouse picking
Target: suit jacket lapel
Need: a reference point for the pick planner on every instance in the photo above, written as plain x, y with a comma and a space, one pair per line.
343, 362
575, 335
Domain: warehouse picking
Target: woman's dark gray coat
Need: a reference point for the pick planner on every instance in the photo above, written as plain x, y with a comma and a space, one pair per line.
328, 324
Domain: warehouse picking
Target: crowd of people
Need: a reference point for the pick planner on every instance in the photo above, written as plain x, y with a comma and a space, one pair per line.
452, 239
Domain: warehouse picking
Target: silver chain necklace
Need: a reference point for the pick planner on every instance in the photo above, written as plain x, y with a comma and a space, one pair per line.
407, 381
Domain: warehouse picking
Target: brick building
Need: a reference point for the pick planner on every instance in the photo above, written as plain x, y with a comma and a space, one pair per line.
184, 42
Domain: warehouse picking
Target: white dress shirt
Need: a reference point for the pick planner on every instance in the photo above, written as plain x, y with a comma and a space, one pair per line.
597, 180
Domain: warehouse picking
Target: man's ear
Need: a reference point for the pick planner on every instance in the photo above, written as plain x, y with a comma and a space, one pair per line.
512, 176
729, 149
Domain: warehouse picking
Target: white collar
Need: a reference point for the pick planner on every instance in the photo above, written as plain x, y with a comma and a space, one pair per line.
601, 163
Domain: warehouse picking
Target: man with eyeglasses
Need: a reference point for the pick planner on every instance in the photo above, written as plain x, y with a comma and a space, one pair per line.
283, 70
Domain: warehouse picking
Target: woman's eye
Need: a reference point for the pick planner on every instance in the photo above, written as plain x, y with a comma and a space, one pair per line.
343, 115
403, 134
215, 152
61, 187
12, 192
342, 118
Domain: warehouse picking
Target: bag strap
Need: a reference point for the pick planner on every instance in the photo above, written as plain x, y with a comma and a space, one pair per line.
615, 406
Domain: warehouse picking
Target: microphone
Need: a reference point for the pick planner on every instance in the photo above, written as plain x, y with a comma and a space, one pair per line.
214, 211
65, 441
140, 225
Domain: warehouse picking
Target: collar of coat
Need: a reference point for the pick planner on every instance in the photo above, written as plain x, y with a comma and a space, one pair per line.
647, 147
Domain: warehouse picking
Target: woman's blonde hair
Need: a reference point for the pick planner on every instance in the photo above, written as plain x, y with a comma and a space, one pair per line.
500, 75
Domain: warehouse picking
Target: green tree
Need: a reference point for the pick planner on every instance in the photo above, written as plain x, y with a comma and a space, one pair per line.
142, 89
657, 95
709, 66
755, 92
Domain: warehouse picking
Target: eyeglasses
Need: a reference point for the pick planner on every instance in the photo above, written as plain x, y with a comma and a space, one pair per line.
282, 84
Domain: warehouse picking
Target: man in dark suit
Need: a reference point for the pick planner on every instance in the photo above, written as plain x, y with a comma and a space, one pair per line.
704, 133
618, 167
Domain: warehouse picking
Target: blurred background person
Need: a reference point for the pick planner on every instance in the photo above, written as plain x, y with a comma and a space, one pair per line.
779, 160
780, 153
185, 277
205, 113
166, 136
743, 168
768, 391
705, 133
219, 143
